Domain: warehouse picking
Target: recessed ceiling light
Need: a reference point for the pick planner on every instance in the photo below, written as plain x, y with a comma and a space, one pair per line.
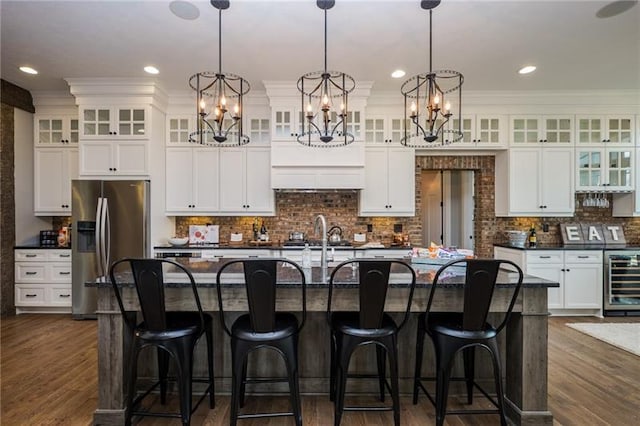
527, 70
28, 70
184, 10
151, 69
398, 74
615, 8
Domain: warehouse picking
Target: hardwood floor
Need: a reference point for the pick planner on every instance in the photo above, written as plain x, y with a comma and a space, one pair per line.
48, 377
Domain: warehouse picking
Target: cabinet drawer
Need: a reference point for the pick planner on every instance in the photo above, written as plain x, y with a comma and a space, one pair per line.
59, 272
591, 256
30, 255
30, 295
555, 256
30, 273
59, 255
60, 295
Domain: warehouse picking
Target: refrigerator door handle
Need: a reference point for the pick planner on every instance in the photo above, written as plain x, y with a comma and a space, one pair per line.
98, 238
107, 235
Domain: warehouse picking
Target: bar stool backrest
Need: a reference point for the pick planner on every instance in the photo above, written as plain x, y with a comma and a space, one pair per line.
148, 279
480, 281
261, 283
373, 280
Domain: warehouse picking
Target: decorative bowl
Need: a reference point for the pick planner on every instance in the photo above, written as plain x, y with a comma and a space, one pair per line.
178, 241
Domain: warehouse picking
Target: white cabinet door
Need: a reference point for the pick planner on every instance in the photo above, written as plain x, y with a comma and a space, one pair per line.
524, 182
56, 130
401, 185
556, 181
260, 198
553, 272
374, 197
178, 129
232, 180
54, 170
604, 168
594, 130
389, 188
286, 122
583, 286
179, 184
554, 130
114, 122
114, 158
192, 180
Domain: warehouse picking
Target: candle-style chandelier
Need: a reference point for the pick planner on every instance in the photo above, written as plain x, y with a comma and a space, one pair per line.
428, 113
219, 100
325, 124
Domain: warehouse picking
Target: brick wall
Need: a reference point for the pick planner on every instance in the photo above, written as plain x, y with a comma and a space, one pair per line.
7, 211
296, 212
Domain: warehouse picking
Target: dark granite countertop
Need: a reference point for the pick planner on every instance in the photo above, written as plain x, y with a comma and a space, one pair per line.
204, 272
571, 247
34, 247
275, 246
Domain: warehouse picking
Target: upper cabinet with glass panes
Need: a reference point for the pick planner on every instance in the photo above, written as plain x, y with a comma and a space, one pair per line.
114, 122
604, 169
178, 129
480, 130
597, 130
383, 129
534, 130
50, 130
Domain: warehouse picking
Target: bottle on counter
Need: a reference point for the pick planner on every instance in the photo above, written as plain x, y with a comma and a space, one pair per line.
306, 256
533, 242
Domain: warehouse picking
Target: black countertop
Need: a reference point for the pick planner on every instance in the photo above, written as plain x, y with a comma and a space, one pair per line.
571, 247
27, 247
275, 246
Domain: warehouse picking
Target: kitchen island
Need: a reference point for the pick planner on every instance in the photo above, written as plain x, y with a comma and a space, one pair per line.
523, 344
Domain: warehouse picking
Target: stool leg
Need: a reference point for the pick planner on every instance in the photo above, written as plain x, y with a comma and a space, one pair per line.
289, 348
163, 368
209, 337
243, 383
332, 372
469, 356
418, 371
238, 355
345, 348
443, 367
497, 375
183, 352
391, 346
132, 378
381, 355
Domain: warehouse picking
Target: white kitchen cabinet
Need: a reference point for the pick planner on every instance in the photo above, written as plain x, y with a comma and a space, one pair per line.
114, 122
535, 182
54, 168
43, 281
607, 169
532, 130
598, 131
389, 182
481, 131
579, 273
628, 204
56, 130
383, 129
114, 158
259, 131
178, 129
287, 122
192, 185
245, 186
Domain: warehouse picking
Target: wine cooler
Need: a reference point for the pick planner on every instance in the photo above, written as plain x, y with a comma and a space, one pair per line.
622, 282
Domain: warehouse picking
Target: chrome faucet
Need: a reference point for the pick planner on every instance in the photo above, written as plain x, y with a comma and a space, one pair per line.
323, 255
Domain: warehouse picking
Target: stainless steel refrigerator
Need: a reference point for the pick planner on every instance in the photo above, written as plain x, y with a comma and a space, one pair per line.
110, 221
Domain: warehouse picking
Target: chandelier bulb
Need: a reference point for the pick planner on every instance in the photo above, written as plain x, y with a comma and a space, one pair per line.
217, 111
325, 99
436, 100
447, 107
414, 107
236, 109
342, 106
223, 101
203, 105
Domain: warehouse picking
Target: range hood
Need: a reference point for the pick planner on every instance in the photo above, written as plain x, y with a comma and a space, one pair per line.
298, 167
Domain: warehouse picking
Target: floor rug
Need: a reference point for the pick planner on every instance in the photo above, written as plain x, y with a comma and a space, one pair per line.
621, 334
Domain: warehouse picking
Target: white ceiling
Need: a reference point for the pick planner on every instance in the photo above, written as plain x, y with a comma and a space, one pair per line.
488, 41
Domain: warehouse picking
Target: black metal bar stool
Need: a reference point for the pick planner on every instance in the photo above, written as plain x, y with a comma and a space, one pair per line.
369, 325
452, 332
174, 334
263, 326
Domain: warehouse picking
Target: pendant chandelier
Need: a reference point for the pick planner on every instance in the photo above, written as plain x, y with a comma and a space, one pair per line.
429, 117
325, 101
219, 100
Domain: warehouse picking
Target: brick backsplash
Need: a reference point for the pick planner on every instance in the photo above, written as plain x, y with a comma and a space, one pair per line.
296, 212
